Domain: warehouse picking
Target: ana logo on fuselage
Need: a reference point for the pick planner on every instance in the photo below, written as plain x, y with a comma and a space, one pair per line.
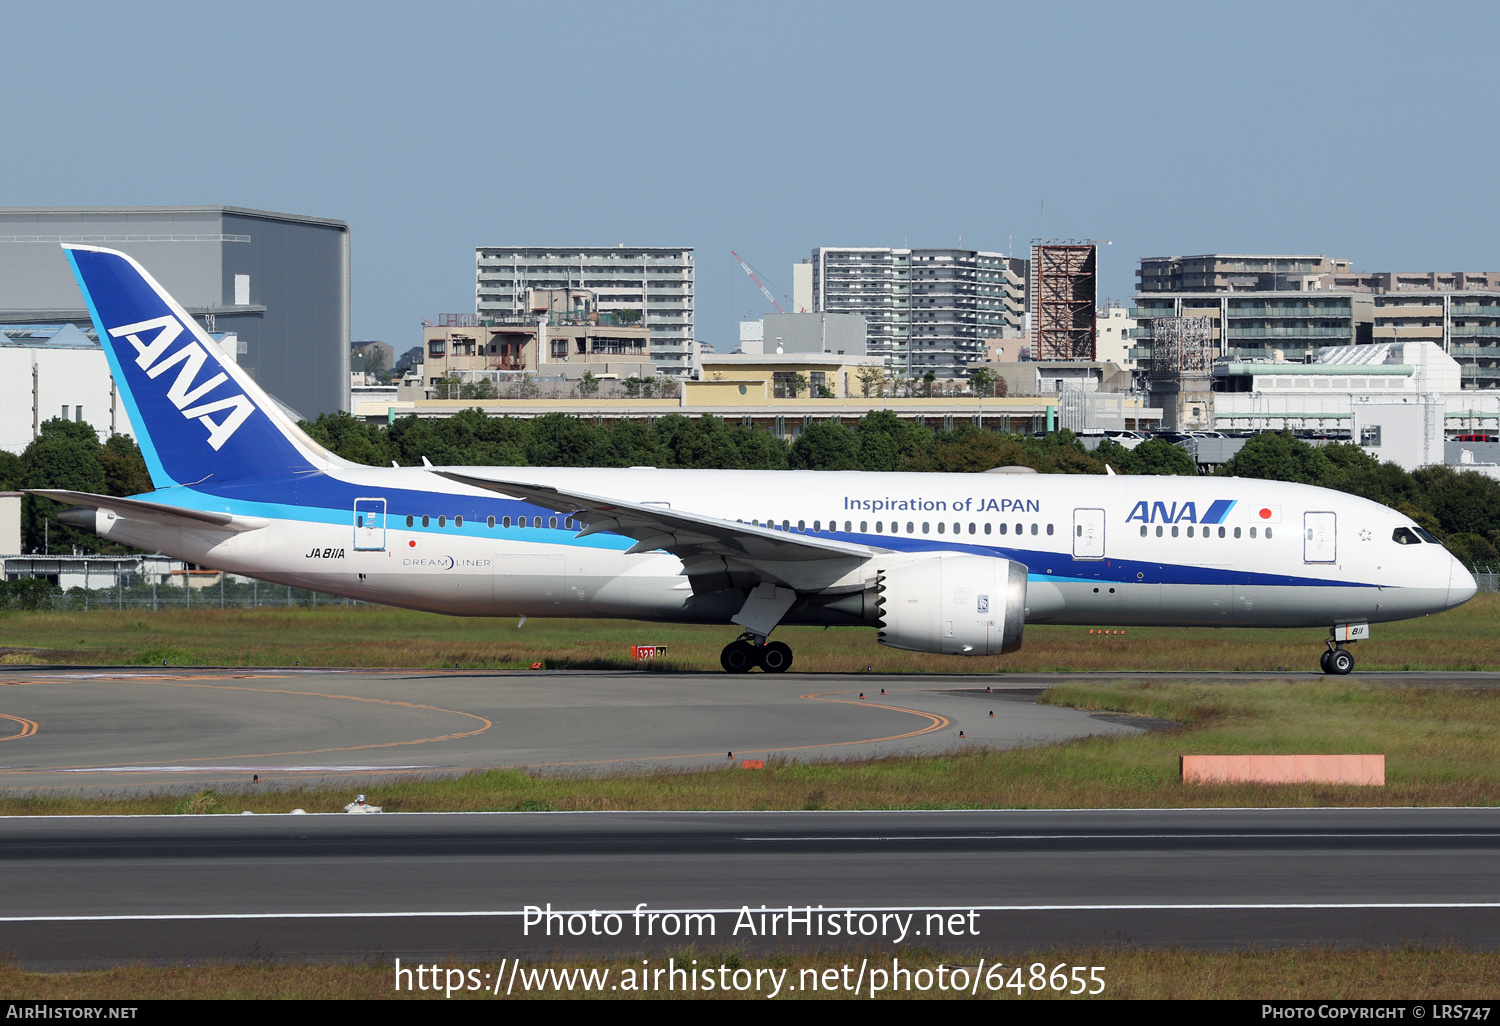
1176, 513
152, 358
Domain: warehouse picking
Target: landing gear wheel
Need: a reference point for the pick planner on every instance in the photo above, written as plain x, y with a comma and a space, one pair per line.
1323, 661
738, 657
1340, 661
775, 657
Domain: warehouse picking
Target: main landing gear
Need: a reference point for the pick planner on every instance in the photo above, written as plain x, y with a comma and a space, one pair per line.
1336, 660
751, 650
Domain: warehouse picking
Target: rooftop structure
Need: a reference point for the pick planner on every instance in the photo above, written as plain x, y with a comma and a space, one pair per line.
652, 286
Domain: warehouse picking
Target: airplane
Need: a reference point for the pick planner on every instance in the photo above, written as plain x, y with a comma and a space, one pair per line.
943, 563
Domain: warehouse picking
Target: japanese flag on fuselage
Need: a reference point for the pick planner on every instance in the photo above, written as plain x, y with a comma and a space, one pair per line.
1265, 514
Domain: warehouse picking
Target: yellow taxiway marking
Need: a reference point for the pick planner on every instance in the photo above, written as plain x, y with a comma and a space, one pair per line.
28, 727
180, 683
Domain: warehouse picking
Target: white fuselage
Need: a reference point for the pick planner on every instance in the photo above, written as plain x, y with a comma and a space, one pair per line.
1098, 550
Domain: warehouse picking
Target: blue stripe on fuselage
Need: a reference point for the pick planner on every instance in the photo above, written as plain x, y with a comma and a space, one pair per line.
321, 497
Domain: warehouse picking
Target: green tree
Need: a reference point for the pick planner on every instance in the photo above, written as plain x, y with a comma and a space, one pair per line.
124, 468
1277, 456
825, 445
588, 385
65, 454
871, 381
351, 438
1463, 503
1159, 456
982, 381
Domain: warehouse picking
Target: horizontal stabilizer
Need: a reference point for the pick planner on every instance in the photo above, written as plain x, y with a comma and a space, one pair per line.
136, 509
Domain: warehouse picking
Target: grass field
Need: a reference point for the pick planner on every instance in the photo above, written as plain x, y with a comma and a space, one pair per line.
1285, 974
1442, 747
376, 636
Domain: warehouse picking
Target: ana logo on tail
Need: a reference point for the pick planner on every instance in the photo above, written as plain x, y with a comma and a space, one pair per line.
184, 393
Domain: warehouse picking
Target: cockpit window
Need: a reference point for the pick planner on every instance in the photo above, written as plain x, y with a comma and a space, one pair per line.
1426, 536
1405, 536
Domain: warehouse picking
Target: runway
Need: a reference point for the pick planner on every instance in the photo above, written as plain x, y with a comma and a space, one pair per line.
453, 887
104, 890
119, 730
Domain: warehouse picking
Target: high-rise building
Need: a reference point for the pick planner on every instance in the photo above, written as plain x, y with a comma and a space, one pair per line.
927, 310
655, 283
279, 282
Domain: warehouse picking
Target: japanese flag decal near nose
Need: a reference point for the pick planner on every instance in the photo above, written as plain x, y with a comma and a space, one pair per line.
195, 413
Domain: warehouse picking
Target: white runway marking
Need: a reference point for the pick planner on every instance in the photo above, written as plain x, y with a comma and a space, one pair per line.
1492, 835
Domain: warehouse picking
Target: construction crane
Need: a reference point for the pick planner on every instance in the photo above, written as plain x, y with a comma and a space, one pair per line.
756, 278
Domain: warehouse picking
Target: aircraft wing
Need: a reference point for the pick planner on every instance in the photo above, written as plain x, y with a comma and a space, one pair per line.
709, 548
138, 509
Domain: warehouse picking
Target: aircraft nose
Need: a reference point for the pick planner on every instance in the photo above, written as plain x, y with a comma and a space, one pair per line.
1461, 585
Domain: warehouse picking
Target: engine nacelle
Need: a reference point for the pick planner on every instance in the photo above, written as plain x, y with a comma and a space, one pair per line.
952, 603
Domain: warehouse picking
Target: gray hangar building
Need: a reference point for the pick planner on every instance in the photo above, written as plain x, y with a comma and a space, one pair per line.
279, 281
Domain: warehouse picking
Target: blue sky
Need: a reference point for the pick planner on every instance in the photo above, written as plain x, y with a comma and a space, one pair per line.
1363, 131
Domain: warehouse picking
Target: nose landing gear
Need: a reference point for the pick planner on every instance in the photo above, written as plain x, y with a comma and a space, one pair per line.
751, 650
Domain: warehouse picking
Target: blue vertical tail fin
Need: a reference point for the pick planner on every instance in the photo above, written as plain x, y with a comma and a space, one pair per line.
196, 414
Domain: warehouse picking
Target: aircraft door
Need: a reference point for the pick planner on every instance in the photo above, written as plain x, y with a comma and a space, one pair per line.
369, 525
1088, 534
1318, 537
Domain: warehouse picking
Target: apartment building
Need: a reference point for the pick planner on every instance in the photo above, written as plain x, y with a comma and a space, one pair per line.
652, 286
1288, 307
926, 310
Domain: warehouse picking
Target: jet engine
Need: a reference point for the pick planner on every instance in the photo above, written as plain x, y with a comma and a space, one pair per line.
953, 603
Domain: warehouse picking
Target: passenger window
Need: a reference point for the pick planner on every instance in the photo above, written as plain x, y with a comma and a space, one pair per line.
1236, 532
972, 530
879, 524
1033, 529
911, 528
442, 521
1078, 530
1020, 528
359, 521
1190, 530
1404, 536
489, 522
958, 528
786, 525
1252, 532
925, 527
987, 527
1174, 530
941, 527
1221, 532
426, 521
1158, 530
1268, 532
410, 521
802, 525
1004, 528
1143, 530
1049, 530
458, 521
849, 526
551, 521
505, 522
